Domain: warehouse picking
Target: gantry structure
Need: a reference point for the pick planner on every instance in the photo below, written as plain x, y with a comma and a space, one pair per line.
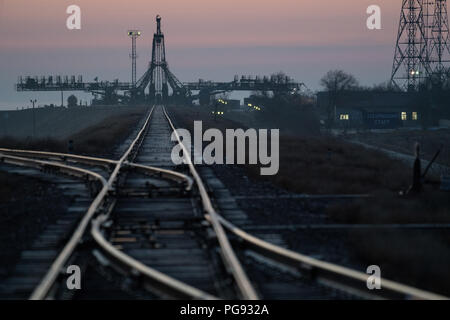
158, 84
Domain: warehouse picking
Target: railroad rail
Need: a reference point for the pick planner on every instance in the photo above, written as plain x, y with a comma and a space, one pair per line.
49, 280
168, 283
101, 209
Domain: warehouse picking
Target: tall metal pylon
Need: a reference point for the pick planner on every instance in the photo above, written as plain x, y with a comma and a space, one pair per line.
422, 52
158, 76
439, 44
410, 65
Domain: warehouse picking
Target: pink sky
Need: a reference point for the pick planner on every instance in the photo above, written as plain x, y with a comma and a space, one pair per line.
207, 39
202, 23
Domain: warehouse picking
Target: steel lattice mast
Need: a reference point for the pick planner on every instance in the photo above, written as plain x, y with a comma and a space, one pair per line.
410, 60
422, 52
133, 34
439, 44
158, 76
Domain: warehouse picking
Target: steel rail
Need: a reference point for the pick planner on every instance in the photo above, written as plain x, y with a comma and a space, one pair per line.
178, 288
231, 261
43, 165
167, 284
41, 291
45, 285
49, 279
323, 271
329, 272
95, 161
175, 287
62, 156
164, 173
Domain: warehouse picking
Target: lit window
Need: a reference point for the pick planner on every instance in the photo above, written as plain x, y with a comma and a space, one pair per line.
344, 117
404, 116
414, 116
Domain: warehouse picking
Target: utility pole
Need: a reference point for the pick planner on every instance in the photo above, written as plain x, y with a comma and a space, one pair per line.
215, 111
34, 118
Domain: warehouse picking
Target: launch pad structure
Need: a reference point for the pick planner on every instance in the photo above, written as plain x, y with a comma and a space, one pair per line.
158, 84
421, 60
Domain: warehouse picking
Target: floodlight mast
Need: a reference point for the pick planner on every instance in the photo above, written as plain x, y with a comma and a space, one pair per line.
133, 34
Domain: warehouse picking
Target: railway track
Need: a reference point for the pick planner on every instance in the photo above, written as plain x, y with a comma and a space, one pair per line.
154, 229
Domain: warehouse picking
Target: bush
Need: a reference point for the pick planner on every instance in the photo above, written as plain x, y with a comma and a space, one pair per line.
72, 101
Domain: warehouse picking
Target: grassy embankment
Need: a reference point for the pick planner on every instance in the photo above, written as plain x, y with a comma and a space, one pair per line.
97, 140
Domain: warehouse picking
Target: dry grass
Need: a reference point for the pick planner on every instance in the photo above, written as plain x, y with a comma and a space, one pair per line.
317, 164
97, 140
102, 138
46, 144
403, 141
417, 258
326, 165
432, 206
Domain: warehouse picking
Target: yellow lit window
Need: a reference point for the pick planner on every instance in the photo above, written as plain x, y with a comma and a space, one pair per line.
404, 116
344, 117
414, 116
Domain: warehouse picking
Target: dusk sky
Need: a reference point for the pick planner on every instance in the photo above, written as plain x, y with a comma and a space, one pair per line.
204, 39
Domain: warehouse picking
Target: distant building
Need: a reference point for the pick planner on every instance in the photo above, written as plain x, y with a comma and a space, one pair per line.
233, 104
376, 110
